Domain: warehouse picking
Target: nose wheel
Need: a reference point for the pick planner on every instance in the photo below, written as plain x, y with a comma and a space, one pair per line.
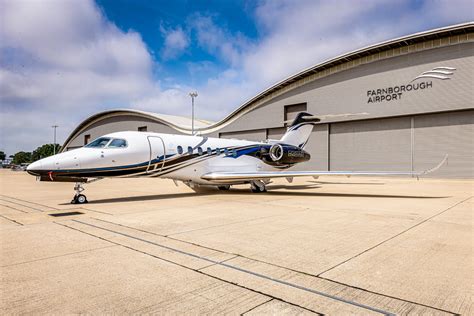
79, 198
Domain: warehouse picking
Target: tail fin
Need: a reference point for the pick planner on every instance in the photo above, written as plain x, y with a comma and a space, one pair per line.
300, 129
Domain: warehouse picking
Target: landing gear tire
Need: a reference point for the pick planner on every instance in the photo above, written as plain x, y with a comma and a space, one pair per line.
258, 187
224, 187
79, 199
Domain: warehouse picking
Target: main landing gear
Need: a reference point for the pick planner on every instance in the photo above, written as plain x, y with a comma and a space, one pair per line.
79, 198
258, 186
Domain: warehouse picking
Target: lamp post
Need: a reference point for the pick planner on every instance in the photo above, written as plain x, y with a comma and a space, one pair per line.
54, 144
192, 95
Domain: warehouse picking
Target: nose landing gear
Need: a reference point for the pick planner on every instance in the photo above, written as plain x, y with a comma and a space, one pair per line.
78, 197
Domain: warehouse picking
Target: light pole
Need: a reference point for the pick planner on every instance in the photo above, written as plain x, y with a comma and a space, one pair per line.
193, 95
54, 144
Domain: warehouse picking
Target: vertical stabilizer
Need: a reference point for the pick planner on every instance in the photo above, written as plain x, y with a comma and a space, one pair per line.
299, 131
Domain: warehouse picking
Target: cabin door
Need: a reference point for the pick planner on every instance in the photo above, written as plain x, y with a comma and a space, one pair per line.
157, 154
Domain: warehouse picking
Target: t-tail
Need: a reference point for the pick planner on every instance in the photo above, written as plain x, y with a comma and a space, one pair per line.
299, 131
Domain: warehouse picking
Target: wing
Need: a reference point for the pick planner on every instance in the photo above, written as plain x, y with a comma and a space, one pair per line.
229, 177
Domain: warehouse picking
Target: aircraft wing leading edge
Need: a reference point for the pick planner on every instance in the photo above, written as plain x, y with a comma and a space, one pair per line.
228, 177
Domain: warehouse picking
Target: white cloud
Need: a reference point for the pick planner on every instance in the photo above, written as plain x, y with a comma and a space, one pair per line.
62, 61
217, 40
176, 42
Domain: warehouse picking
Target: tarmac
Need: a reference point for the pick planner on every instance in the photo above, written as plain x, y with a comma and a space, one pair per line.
334, 245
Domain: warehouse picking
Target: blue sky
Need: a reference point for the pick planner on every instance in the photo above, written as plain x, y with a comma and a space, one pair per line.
64, 60
153, 19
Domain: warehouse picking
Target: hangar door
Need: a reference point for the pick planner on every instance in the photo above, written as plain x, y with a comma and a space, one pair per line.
445, 133
382, 144
255, 135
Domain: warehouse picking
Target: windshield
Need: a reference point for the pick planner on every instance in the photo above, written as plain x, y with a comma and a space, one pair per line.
98, 143
117, 143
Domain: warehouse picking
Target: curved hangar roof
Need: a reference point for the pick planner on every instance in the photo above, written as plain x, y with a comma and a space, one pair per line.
449, 35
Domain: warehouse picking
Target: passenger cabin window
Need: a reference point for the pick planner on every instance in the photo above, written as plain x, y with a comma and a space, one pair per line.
190, 150
226, 151
209, 150
234, 153
118, 143
180, 150
99, 143
199, 151
87, 139
142, 128
218, 151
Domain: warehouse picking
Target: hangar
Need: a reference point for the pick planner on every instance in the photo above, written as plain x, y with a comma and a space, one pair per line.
410, 102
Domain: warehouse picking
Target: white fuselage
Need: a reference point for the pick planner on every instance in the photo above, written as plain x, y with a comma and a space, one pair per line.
178, 157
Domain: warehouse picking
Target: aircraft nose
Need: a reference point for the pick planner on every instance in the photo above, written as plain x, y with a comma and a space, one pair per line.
37, 165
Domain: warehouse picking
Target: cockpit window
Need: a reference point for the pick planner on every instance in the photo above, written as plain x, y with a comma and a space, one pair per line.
99, 143
118, 143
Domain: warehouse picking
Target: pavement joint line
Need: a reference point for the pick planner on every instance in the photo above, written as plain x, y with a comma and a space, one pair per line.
13, 208
262, 276
164, 236
256, 306
16, 203
13, 198
395, 236
228, 259
197, 271
58, 256
11, 220
388, 296
276, 265
346, 285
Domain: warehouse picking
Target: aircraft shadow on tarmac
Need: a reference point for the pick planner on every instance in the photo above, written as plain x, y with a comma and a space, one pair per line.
288, 191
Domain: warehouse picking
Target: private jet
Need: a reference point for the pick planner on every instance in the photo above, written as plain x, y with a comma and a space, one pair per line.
197, 161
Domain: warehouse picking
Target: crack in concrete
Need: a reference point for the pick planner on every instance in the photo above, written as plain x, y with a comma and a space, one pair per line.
14, 208
11, 220
13, 198
16, 203
52, 257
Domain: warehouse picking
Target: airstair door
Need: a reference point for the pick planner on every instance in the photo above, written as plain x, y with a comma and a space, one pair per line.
157, 154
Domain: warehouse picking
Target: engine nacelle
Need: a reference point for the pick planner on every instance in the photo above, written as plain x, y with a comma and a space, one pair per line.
283, 154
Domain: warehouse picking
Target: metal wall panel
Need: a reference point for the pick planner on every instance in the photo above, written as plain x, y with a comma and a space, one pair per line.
255, 135
445, 133
292, 110
276, 133
317, 146
383, 144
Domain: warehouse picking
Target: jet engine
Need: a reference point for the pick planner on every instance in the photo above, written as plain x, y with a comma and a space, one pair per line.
284, 155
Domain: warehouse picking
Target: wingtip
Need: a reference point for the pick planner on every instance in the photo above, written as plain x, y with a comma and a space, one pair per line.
444, 161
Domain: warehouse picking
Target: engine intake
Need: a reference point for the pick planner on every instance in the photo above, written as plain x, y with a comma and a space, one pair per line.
276, 152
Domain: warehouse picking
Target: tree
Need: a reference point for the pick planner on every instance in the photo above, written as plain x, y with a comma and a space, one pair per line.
44, 151
2, 155
21, 157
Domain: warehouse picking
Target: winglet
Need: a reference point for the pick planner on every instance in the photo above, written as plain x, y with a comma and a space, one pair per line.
445, 160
